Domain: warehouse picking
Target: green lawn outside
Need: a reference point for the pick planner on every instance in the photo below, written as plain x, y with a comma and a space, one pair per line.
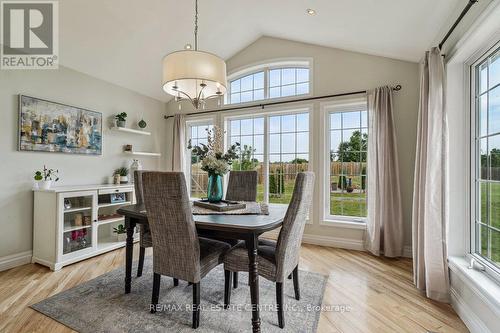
488, 236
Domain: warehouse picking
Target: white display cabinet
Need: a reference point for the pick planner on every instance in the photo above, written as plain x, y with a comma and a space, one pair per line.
73, 223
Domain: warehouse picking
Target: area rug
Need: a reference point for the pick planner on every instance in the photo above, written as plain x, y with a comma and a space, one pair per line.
100, 305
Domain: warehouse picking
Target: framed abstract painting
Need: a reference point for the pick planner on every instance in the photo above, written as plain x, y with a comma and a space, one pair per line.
54, 127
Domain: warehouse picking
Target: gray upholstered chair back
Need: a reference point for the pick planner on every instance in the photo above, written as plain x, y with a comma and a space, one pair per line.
176, 249
139, 196
242, 186
290, 237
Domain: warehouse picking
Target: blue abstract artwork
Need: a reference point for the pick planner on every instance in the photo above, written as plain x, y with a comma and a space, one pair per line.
54, 127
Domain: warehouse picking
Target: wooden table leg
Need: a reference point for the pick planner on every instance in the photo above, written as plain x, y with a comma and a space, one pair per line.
253, 271
129, 251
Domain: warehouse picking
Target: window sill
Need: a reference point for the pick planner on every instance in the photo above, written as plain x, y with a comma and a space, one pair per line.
344, 224
480, 283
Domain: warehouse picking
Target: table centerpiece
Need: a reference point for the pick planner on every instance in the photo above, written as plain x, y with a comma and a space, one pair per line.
215, 161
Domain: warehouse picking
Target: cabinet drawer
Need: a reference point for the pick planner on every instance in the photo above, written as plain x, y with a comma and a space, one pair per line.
116, 190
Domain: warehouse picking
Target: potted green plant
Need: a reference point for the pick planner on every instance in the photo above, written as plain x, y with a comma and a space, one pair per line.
121, 119
123, 173
121, 232
46, 177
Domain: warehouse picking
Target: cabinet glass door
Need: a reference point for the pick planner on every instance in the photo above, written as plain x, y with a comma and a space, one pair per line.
77, 215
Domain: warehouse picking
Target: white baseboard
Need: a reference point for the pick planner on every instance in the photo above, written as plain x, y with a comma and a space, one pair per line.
15, 260
470, 319
343, 243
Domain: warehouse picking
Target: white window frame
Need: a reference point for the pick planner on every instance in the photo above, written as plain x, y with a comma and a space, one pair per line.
327, 108
269, 112
491, 269
187, 156
266, 67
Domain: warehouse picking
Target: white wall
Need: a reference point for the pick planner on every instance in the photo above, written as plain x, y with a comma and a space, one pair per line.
337, 71
73, 88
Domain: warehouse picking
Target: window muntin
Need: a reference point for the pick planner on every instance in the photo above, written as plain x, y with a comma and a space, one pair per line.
270, 81
279, 150
249, 132
247, 88
285, 82
486, 224
198, 179
347, 167
288, 153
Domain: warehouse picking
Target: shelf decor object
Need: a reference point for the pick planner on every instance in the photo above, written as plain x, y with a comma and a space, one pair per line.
37, 115
73, 223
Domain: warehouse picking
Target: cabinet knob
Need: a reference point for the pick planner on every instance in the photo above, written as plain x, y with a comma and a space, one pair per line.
117, 190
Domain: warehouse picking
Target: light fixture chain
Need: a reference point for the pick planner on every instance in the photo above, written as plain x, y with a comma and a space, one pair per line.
196, 26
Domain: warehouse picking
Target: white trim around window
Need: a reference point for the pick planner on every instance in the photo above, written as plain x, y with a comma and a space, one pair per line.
265, 67
491, 269
326, 108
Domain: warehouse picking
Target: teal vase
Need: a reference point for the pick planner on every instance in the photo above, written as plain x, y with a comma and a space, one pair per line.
215, 190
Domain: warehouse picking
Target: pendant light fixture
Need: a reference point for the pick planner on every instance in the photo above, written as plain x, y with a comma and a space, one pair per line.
194, 75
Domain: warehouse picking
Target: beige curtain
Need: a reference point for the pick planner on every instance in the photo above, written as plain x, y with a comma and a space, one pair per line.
178, 143
430, 267
385, 219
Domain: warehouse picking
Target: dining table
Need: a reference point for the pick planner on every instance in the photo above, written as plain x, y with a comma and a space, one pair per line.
238, 227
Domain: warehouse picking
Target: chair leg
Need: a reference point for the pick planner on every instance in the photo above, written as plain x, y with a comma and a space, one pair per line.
176, 282
142, 252
156, 292
227, 288
296, 282
235, 280
196, 305
279, 304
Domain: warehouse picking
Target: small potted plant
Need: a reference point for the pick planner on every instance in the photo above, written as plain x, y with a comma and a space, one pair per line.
123, 173
46, 177
121, 119
121, 232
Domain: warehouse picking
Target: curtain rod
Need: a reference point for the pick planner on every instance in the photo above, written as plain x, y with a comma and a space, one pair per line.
462, 14
263, 105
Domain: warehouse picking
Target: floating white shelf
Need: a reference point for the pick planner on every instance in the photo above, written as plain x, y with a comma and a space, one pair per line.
142, 153
130, 130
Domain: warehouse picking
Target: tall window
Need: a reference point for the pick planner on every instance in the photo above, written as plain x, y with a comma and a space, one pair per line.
348, 144
288, 153
485, 231
197, 133
249, 132
273, 80
275, 145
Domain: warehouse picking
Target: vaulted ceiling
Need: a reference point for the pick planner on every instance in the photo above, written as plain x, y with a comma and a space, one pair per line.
124, 41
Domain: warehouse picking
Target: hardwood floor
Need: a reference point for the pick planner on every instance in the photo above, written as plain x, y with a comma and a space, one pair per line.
377, 295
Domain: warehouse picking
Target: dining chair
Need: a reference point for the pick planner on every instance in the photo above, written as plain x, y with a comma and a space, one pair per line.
242, 186
178, 252
145, 239
277, 259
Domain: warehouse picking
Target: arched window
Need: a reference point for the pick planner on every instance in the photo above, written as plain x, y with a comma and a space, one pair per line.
270, 80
